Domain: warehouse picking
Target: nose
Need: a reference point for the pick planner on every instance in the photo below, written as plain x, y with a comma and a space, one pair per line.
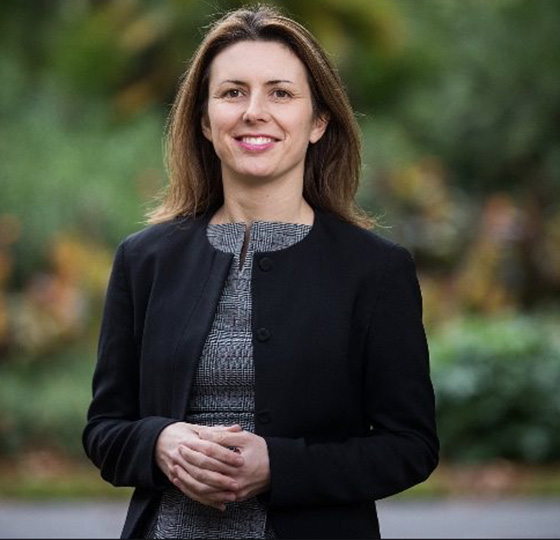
257, 110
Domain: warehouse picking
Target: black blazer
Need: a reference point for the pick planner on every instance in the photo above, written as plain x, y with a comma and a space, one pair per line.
342, 388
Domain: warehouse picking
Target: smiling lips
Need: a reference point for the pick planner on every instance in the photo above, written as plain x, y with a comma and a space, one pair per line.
256, 143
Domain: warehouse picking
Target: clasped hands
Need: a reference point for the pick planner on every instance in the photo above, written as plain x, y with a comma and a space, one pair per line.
201, 462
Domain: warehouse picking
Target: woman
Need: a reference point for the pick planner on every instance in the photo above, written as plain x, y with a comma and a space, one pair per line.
263, 368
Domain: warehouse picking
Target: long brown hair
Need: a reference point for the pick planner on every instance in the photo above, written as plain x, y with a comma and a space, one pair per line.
332, 165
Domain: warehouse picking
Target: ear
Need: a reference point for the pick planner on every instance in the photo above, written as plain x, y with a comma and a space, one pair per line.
205, 124
320, 126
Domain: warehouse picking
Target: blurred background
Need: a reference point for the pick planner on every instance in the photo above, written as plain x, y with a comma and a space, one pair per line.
459, 103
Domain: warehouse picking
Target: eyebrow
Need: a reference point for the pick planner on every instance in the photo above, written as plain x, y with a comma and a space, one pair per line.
268, 83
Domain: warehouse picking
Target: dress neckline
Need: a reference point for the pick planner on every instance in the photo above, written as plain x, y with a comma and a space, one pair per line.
262, 236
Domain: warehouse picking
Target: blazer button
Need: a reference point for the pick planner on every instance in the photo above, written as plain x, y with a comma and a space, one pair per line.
265, 264
264, 416
263, 334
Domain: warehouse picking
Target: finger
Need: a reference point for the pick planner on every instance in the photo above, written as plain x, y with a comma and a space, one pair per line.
232, 428
213, 479
203, 461
191, 495
235, 428
197, 428
200, 491
217, 451
186, 491
218, 502
225, 438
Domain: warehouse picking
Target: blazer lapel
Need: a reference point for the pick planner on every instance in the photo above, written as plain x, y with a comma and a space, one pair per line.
210, 271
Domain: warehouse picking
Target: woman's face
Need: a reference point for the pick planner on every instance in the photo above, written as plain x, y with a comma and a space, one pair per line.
260, 115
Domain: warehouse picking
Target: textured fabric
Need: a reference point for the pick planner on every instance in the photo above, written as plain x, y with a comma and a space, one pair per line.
338, 348
223, 389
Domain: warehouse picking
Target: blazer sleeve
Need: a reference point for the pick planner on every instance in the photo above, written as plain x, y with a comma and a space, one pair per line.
401, 447
116, 439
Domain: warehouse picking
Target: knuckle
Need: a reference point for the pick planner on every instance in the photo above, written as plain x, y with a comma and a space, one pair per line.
198, 445
207, 447
202, 461
234, 456
188, 481
190, 446
202, 476
210, 453
195, 473
229, 457
214, 437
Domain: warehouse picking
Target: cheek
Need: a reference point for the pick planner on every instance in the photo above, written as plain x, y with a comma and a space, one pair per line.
222, 119
300, 124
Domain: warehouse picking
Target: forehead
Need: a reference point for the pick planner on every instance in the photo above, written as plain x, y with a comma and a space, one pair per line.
249, 60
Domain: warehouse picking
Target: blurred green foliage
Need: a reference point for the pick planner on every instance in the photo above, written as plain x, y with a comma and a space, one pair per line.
459, 104
43, 399
497, 383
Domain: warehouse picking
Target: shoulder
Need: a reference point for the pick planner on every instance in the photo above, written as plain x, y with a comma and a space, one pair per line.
160, 245
160, 237
367, 258
354, 241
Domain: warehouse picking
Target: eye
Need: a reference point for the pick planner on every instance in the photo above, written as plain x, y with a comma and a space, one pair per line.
280, 93
232, 93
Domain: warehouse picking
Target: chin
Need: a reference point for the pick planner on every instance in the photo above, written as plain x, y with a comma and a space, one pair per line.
257, 175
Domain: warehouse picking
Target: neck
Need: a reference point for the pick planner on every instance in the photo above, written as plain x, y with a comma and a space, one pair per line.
272, 201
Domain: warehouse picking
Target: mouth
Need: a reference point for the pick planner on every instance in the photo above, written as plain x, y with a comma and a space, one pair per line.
256, 142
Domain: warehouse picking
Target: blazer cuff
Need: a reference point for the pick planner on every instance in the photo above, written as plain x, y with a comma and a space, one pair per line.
290, 478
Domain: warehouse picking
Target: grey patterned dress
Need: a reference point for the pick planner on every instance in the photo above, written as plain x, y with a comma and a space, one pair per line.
223, 389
